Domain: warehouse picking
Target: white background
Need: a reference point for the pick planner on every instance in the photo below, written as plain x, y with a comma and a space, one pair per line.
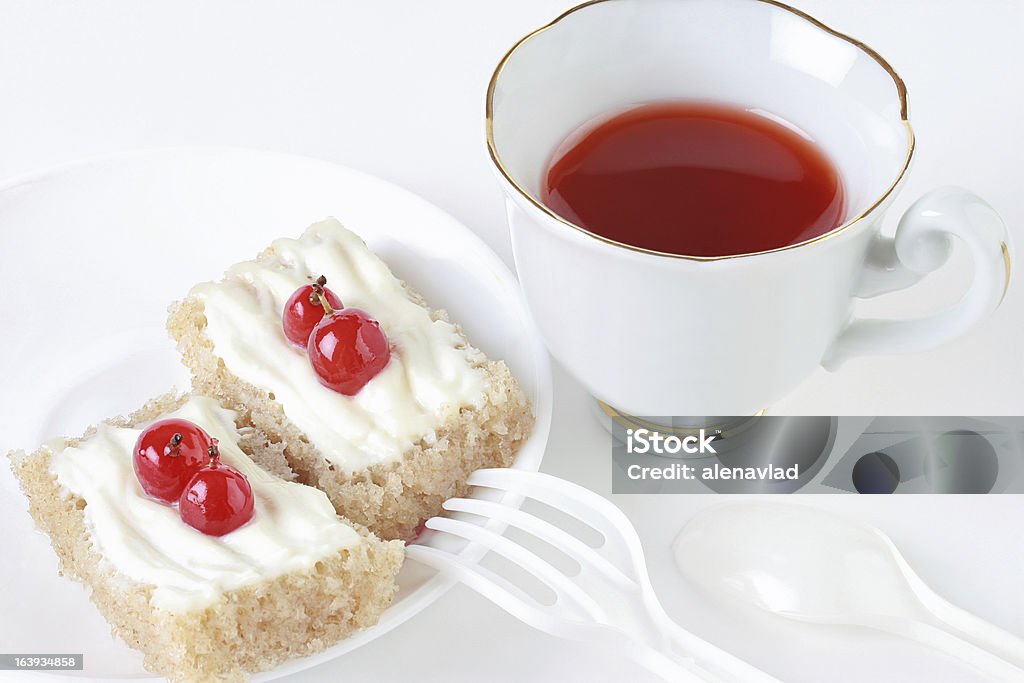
396, 89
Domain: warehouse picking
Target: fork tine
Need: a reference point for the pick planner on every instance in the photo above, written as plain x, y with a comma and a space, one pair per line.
497, 589
564, 588
545, 531
582, 503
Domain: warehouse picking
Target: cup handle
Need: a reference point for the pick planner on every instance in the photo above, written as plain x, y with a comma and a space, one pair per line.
922, 243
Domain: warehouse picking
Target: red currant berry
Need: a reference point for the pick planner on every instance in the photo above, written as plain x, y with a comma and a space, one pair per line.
167, 454
347, 349
218, 499
304, 310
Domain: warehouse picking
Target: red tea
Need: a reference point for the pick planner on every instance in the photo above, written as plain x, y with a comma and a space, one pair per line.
695, 179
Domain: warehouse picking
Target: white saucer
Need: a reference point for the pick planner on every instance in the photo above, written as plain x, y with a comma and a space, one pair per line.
92, 253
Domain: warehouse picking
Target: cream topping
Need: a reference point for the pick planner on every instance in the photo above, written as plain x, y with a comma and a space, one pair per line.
432, 371
293, 526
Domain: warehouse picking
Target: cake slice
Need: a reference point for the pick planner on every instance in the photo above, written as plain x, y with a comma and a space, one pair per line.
291, 581
390, 454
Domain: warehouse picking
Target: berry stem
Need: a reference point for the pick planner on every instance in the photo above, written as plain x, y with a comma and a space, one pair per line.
214, 452
318, 291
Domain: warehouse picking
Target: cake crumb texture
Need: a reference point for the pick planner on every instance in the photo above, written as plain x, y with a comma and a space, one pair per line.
393, 498
250, 629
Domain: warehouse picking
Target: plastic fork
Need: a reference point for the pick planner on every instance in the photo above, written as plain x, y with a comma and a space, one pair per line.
609, 601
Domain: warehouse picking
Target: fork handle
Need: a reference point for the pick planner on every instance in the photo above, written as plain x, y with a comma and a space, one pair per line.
687, 654
715, 663
673, 665
670, 667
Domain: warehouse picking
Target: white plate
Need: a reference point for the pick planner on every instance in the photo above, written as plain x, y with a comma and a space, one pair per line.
92, 253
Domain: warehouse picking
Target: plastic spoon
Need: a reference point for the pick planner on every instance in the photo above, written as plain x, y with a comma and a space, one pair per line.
815, 566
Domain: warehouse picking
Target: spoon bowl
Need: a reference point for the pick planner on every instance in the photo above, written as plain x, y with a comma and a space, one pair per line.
794, 561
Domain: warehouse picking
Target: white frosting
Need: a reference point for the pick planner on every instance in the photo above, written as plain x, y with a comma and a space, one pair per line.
431, 373
293, 526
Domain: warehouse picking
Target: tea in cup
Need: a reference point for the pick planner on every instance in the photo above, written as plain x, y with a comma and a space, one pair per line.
695, 192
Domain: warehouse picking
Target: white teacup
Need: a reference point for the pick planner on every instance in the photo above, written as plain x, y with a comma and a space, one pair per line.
667, 334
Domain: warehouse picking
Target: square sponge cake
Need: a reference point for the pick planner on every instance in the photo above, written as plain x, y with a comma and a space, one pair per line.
390, 454
293, 580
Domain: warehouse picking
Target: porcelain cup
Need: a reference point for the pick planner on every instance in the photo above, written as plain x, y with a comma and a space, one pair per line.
670, 334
